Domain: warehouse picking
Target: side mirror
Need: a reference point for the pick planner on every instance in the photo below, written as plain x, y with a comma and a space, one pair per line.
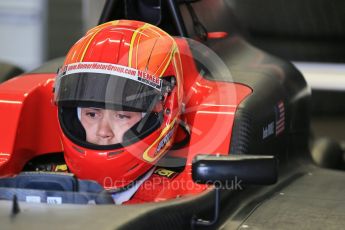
224, 170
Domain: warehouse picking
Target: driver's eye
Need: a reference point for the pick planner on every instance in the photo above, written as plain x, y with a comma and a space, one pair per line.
91, 114
123, 116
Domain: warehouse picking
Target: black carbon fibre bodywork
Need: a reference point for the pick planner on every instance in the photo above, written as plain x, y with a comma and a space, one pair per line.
305, 195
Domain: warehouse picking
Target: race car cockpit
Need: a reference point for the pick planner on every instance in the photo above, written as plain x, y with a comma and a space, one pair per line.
235, 119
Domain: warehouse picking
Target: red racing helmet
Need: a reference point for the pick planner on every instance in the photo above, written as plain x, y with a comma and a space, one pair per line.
120, 66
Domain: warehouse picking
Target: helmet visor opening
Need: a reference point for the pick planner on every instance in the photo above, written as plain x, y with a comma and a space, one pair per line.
108, 91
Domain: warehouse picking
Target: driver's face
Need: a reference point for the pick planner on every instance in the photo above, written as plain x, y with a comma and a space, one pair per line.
106, 127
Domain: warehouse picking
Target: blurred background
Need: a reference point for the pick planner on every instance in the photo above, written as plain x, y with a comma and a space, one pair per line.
310, 33
34, 31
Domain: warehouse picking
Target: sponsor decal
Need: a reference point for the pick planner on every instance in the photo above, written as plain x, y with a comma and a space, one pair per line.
33, 199
165, 173
60, 168
268, 130
54, 200
280, 118
150, 79
151, 154
113, 69
164, 140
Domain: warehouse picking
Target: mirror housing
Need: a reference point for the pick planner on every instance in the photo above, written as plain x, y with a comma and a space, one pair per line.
247, 169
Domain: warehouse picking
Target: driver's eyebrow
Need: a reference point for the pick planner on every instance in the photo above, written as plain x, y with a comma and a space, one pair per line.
92, 108
123, 111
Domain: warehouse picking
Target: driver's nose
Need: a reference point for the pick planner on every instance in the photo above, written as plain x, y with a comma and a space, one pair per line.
104, 129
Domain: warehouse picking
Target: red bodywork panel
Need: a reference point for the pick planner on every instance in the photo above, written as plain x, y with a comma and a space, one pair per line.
29, 125
28, 121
